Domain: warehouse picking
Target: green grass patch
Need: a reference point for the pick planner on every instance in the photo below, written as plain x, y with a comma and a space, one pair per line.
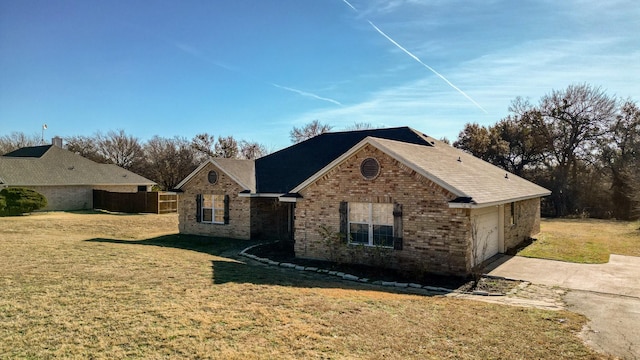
588, 241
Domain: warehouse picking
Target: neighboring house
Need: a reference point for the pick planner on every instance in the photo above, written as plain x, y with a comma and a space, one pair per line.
66, 179
406, 200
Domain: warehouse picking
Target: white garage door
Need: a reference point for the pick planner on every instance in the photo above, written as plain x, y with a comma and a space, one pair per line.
485, 223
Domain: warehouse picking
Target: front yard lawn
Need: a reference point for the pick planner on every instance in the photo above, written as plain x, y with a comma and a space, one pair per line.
107, 286
584, 240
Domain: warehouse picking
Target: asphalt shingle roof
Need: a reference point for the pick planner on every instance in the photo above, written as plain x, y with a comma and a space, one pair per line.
291, 169
51, 165
461, 173
242, 170
283, 170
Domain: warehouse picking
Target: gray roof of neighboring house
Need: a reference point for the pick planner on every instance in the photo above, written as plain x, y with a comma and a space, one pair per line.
53, 166
471, 179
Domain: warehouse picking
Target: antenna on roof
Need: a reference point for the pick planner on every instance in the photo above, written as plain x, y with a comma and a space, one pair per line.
44, 127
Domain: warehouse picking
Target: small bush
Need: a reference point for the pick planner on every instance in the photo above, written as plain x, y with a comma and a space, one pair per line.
20, 200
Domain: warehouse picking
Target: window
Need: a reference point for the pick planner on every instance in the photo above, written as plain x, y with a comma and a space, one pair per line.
369, 168
371, 224
512, 219
212, 177
213, 209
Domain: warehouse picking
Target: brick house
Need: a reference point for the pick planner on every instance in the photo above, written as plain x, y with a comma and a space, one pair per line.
66, 179
405, 200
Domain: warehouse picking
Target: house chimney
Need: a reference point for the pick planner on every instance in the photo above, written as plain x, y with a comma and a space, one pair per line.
57, 141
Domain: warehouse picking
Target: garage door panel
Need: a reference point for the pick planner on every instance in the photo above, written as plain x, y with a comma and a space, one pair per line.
486, 222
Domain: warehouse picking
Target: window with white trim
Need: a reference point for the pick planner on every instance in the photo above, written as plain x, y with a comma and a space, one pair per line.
212, 210
371, 224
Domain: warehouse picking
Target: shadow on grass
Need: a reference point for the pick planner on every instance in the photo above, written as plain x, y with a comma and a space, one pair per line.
234, 269
204, 244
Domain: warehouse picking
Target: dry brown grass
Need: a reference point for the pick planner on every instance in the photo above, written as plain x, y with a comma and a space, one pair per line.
585, 240
122, 286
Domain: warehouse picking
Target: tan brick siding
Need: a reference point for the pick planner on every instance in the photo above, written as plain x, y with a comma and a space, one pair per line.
76, 197
527, 222
239, 207
436, 238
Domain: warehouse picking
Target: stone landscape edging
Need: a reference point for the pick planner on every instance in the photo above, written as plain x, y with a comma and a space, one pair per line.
354, 278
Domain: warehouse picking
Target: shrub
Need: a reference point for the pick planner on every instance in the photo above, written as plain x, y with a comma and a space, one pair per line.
20, 200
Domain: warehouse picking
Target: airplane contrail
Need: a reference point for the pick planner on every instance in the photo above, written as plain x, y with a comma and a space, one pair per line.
197, 54
351, 6
418, 60
427, 66
307, 94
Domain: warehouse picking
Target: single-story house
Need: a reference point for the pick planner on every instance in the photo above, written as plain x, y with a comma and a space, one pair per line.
66, 179
396, 198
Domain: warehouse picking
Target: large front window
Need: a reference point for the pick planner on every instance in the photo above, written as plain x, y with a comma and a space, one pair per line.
371, 224
213, 209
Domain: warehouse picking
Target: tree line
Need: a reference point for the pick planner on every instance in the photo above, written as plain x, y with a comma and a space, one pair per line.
579, 142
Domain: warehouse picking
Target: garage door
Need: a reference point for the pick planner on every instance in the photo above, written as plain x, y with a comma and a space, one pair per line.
485, 224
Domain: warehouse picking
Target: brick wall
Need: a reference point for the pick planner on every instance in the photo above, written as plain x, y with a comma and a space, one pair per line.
436, 238
66, 197
527, 222
76, 197
239, 209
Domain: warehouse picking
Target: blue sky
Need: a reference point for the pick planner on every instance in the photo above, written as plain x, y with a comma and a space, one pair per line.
256, 68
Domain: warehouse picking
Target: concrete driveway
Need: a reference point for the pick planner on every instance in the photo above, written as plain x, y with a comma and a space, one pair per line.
608, 294
620, 276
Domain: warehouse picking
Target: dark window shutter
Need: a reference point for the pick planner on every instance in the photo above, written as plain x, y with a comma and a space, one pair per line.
397, 226
199, 208
226, 209
344, 221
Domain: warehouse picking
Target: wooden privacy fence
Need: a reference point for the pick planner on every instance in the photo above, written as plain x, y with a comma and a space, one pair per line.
138, 202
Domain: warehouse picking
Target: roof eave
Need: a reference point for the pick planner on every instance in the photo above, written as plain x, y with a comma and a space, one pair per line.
260, 195
474, 205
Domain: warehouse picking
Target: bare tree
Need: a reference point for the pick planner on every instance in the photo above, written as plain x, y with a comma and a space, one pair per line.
85, 146
226, 147
168, 161
360, 126
252, 150
571, 122
621, 157
204, 145
120, 149
308, 131
17, 140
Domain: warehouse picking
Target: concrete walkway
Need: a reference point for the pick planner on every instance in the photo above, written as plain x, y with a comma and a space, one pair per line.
620, 276
608, 294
